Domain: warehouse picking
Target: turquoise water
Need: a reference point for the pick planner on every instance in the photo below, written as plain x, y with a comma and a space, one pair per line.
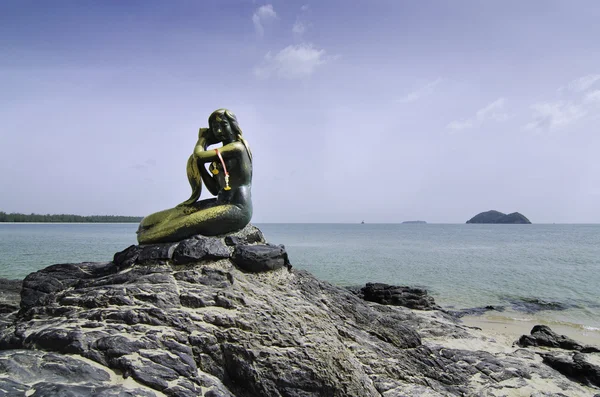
461, 265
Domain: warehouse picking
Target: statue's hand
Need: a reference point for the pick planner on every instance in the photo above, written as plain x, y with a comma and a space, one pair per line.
206, 138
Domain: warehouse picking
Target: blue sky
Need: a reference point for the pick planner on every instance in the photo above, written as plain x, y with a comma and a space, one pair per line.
377, 110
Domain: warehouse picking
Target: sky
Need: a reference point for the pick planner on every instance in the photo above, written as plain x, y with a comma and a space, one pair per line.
376, 110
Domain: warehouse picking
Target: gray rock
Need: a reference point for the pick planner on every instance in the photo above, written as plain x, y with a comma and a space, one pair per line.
542, 335
474, 311
10, 298
200, 248
575, 366
385, 294
151, 326
10, 291
260, 258
533, 305
39, 373
156, 252
248, 235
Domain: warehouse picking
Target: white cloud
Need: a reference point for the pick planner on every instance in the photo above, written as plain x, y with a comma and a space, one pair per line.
294, 61
550, 115
460, 125
580, 103
584, 83
262, 15
305, 7
421, 92
494, 112
592, 97
299, 28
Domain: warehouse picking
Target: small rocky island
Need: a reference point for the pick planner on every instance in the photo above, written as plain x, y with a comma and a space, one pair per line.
493, 216
415, 222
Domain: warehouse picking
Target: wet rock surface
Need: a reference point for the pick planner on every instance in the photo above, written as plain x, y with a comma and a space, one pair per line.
533, 305
149, 324
475, 311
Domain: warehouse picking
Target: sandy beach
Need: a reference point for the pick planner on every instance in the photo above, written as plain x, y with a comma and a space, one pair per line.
504, 326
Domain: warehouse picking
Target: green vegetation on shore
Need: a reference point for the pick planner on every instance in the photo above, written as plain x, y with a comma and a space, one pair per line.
68, 218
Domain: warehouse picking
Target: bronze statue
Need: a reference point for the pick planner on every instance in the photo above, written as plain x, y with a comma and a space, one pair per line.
229, 178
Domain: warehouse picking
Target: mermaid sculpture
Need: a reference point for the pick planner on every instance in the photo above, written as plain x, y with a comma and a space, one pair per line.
229, 178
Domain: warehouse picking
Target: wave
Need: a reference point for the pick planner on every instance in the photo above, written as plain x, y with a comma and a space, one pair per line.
588, 328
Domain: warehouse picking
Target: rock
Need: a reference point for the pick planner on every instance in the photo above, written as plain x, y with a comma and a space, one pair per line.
198, 248
534, 305
156, 252
493, 216
385, 294
260, 258
10, 298
474, 311
144, 325
39, 373
10, 291
542, 335
575, 366
248, 235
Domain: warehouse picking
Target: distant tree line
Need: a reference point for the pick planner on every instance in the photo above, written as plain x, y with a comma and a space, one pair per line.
16, 217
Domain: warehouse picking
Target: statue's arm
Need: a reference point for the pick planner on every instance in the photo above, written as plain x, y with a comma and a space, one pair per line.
203, 142
208, 156
211, 183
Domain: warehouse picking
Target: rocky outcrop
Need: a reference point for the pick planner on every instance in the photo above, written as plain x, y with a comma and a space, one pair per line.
183, 319
474, 311
493, 216
542, 335
10, 291
576, 366
385, 294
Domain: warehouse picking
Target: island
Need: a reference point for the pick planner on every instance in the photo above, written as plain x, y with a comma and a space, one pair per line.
415, 222
494, 216
15, 217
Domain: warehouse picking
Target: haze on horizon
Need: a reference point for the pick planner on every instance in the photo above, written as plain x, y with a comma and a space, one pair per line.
382, 111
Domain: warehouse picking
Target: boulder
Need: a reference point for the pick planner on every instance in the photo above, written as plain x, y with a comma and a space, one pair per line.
260, 258
411, 297
575, 366
542, 335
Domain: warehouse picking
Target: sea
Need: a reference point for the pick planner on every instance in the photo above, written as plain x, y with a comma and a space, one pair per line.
548, 274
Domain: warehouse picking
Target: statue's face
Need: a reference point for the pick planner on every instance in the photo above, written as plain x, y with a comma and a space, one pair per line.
222, 129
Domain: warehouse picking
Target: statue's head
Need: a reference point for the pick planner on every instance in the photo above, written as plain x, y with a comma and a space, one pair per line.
224, 126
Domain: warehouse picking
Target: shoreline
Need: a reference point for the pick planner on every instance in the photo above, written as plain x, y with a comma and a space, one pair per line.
507, 329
